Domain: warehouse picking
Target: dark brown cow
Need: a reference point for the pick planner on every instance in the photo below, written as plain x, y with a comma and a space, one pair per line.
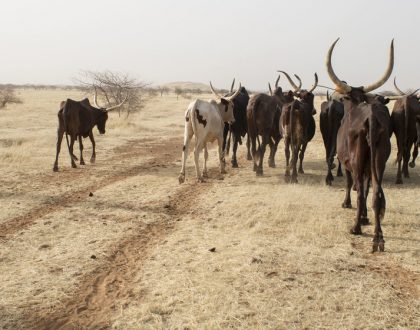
403, 120
263, 113
332, 112
297, 126
363, 146
77, 119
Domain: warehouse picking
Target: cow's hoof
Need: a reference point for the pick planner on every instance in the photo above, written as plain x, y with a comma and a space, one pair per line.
259, 172
223, 171
339, 174
300, 171
364, 221
74, 165
92, 160
55, 168
412, 164
381, 245
82, 162
200, 180
356, 230
254, 168
234, 163
205, 174
271, 164
328, 182
399, 181
181, 178
346, 205
248, 157
287, 173
293, 180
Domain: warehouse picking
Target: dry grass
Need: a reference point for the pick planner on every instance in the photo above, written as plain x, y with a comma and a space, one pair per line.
283, 258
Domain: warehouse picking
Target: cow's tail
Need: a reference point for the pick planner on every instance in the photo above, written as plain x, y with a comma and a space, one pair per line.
193, 117
406, 115
65, 111
373, 138
291, 125
254, 120
332, 136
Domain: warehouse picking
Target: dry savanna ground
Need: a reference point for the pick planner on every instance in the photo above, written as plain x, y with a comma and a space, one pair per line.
120, 244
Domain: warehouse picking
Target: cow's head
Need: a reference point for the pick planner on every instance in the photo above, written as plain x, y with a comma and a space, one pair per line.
357, 95
306, 96
226, 104
103, 113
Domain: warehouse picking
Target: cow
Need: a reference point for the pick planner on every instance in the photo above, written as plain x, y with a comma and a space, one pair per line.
77, 119
297, 126
205, 120
403, 121
332, 112
363, 145
263, 113
239, 128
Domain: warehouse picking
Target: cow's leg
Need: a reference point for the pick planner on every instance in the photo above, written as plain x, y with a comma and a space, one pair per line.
414, 155
221, 156
227, 149
261, 153
72, 140
188, 133
301, 156
248, 149
364, 220
330, 178
225, 134
339, 171
273, 149
60, 133
357, 229
406, 159
234, 160
82, 161
254, 151
378, 205
349, 184
206, 156
92, 140
287, 156
295, 155
400, 151
197, 149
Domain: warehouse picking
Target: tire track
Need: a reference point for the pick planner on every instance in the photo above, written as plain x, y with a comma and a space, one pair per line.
12, 226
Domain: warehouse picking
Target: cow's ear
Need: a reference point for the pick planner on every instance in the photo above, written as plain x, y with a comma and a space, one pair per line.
224, 101
386, 100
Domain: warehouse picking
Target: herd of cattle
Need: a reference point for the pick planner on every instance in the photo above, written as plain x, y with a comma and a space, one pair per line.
355, 125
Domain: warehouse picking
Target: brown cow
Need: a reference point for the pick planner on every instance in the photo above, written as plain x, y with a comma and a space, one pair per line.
77, 119
332, 112
363, 145
263, 113
297, 126
403, 120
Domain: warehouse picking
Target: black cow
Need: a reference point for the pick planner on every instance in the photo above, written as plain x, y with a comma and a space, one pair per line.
239, 128
332, 112
77, 119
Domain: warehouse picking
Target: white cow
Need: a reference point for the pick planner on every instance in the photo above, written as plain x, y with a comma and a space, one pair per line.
205, 120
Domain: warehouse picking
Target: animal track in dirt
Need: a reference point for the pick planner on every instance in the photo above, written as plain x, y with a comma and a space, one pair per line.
162, 152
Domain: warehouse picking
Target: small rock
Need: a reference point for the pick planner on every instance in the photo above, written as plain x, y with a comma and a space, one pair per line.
213, 249
93, 256
256, 261
90, 194
167, 206
44, 246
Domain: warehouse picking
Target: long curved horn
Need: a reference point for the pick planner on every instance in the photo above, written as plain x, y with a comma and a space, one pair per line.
300, 83
214, 92
117, 106
235, 94
328, 96
387, 73
400, 92
269, 88
231, 86
401, 96
95, 100
341, 87
277, 82
315, 84
291, 81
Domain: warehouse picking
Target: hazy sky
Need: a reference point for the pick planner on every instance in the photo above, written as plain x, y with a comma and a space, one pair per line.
51, 41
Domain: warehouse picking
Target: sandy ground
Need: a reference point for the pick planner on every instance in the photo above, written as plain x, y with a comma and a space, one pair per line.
136, 254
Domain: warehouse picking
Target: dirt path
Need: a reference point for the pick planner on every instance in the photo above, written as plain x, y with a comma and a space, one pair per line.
133, 149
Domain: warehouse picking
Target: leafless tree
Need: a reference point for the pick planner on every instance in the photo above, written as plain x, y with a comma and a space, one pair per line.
8, 96
178, 91
113, 88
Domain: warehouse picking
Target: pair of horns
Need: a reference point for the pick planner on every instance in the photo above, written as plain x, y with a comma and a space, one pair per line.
95, 103
400, 92
298, 88
343, 88
231, 89
276, 85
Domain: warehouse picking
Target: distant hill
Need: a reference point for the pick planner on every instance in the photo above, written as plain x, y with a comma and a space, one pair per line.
188, 85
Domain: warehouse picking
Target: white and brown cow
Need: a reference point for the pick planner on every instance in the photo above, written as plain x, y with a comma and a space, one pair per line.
205, 120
